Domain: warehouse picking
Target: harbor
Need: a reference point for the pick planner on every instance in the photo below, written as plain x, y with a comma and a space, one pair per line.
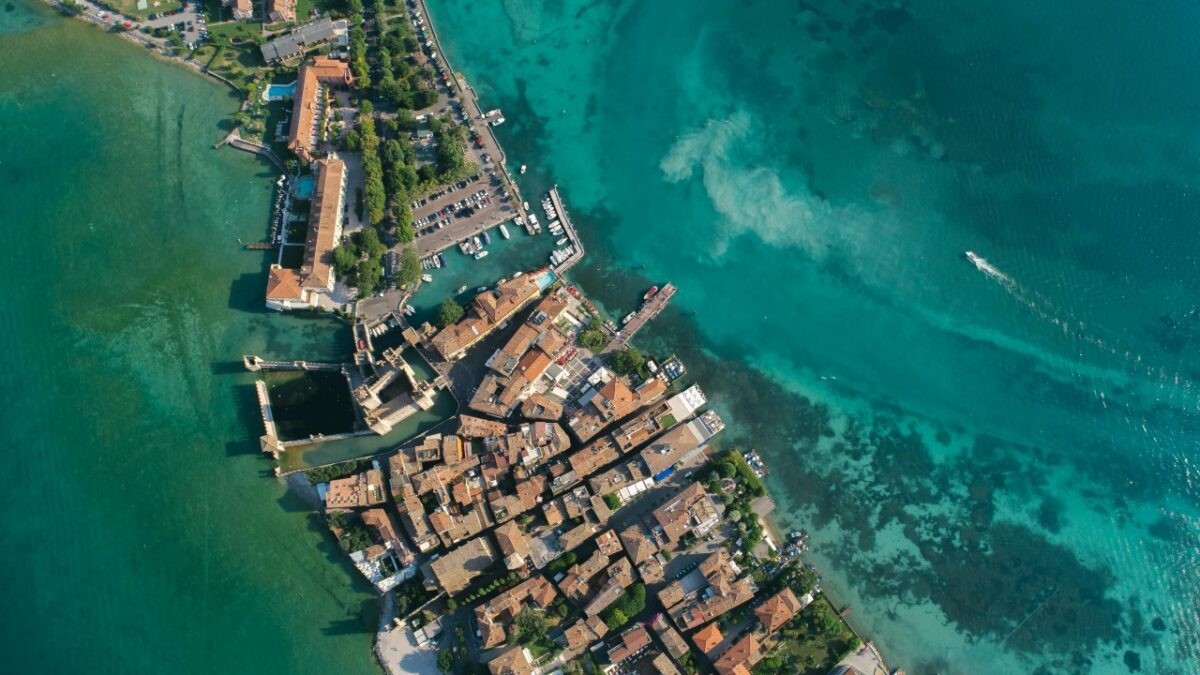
651, 307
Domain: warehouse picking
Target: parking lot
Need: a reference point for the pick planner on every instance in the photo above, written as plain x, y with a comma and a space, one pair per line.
188, 21
460, 211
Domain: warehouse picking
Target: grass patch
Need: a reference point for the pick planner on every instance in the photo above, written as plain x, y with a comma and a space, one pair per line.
667, 421
238, 65
234, 32
130, 7
812, 642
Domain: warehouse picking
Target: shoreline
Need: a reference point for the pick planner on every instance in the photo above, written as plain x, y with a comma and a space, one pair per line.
296, 482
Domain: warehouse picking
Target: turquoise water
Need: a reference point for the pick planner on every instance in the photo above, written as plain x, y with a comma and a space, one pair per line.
142, 530
305, 186
278, 92
998, 468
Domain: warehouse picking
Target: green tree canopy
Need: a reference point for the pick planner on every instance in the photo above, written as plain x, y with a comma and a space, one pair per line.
410, 266
450, 312
628, 361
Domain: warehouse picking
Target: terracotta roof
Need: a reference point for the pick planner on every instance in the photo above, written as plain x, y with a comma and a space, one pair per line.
331, 70
323, 224
639, 546
691, 509
284, 284
281, 10
778, 610
708, 637
533, 364
744, 653
478, 427
512, 661
359, 490
455, 570
632, 642
542, 407
510, 539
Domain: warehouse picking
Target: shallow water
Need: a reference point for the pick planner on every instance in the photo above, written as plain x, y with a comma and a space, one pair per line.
997, 464
142, 531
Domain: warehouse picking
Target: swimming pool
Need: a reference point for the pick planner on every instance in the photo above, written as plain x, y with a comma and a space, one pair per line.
278, 92
304, 187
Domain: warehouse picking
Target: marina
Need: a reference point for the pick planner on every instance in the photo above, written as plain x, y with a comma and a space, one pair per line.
652, 305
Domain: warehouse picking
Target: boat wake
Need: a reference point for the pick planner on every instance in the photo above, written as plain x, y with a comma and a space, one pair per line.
1074, 329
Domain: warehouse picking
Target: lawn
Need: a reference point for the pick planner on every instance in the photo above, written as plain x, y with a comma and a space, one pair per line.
667, 421
238, 65
813, 642
234, 32
130, 7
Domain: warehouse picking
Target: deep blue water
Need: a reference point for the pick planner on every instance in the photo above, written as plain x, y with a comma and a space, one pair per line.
998, 465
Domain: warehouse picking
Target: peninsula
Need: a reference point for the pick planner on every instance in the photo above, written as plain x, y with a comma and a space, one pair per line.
569, 507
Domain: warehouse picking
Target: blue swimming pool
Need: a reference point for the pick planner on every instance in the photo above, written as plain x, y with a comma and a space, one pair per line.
278, 92
304, 187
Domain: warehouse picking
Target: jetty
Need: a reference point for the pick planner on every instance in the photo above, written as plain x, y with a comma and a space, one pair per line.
255, 364
649, 309
569, 230
234, 139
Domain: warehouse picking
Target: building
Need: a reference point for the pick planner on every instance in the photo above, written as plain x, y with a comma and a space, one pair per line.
723, 592
291, 289
357, 491
240, 9
281, 10
706, 639
284, 289
633, 644
416, 523
311, 34
583, 633
380, 524
513, 544
542, 407
673, 446
455, 570
660, 418
488, 310
692, 511
308, 104
515, 660
620, 577
778, 610
740, 657
576, 585
670, 637
493, 617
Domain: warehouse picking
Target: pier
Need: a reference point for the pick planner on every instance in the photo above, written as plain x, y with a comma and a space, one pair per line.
569, 230
255, 364
649, 309
234, 139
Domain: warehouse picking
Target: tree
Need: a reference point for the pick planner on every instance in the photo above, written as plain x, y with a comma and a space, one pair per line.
593, 338
345, 262
445, 660
725, 469
615, 619
612, 501
450, 312
368, 243
532, 626
628, 361
369, 274
410, 266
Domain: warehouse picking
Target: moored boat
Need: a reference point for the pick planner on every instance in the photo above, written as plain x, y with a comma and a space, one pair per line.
481, 255
503, 231
650, 293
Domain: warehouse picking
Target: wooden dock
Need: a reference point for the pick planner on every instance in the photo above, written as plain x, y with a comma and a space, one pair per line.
649, 309
569, 229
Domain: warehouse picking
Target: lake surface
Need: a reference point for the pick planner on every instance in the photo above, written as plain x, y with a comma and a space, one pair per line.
142, 530
997, 464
